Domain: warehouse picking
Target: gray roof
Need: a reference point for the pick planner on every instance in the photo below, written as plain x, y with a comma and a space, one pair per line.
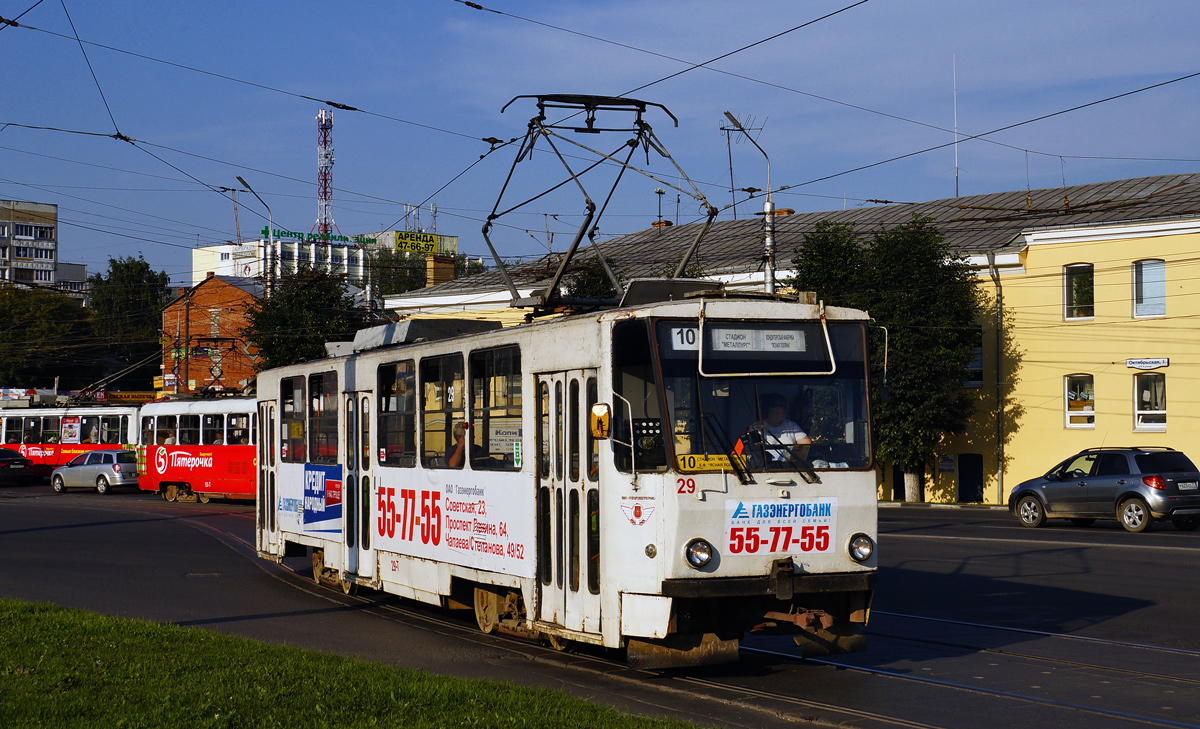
972, 224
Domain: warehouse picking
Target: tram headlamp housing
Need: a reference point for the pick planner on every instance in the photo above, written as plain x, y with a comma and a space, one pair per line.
698, 553
861, 547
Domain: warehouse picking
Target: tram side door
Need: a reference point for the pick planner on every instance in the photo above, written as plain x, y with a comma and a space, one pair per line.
567, 525
350, 473
265, 497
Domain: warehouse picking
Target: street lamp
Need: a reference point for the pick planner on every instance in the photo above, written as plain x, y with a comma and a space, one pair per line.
269, 258
768, 214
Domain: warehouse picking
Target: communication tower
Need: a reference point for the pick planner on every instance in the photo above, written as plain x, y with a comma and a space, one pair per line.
325, 224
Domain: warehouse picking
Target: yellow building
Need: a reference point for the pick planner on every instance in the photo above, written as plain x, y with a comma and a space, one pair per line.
1099, 348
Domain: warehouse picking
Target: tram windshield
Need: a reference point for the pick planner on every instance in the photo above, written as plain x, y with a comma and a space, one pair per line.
769, 396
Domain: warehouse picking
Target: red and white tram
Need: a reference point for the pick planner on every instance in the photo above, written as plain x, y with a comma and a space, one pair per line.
197, 449
608, 478
50, 436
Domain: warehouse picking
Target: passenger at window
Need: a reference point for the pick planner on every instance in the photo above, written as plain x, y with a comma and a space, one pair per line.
454, 458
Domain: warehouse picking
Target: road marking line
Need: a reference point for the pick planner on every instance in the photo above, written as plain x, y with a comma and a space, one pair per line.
1038, 541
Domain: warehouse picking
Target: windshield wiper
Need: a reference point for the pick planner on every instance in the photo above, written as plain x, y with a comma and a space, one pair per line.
717, 433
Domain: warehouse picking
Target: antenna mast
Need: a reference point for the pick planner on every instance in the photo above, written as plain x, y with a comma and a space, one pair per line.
325, 224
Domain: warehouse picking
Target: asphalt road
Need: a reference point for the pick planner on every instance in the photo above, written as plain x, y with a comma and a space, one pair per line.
978, 622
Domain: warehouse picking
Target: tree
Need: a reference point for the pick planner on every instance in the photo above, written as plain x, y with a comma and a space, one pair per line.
912, 284
127, 303
464, 266
45, 335
394, 272
589, 280
303, 312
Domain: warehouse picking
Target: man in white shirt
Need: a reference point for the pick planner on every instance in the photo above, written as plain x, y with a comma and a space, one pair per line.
778, 431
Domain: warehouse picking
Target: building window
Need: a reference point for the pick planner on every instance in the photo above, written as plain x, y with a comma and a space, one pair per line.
3, 230
22, 230
43, 232
3, 251
972, 375
288, 256
1078, 291
353, 260
42, 275
1150, 401
1080, 402
304, 255
224, 256
1149, 288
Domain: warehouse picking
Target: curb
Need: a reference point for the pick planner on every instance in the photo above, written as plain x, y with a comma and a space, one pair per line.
922, 505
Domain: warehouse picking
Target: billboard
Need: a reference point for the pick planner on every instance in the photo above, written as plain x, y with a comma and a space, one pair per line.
426, 243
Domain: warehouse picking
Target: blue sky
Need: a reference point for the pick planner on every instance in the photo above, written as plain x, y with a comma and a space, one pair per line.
446, 69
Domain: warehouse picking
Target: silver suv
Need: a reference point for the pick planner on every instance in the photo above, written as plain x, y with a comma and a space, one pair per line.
1135, 486
100, 470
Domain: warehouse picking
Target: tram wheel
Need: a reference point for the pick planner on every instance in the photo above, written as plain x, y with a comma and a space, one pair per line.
556, 643
349, 587
204, 498
171, 493
487, 609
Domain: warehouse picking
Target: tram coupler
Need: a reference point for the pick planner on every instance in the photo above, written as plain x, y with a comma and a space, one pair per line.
681, 651
845, 638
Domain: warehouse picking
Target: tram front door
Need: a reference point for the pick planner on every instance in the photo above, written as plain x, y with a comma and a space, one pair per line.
568, 502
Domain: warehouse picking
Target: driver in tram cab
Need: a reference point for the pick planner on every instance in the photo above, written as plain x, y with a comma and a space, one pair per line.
454, 458
778, 431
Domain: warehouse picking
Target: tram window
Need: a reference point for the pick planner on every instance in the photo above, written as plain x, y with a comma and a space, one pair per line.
397, 390
114, 429
558, 435
31, 430
239, 429
573, 538
322, 418
89, 429
50, 427
573, 427
364, 437
543, 429
164, 430
189, 430
496, 409
366, 512
593, 445
147, 430
443, 409
12, 430
544, 564
593, 541
213, 432
633, 379
291, 418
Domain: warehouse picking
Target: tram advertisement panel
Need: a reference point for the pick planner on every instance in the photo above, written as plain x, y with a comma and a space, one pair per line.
769, 526
483, 525
322, 507
221, 469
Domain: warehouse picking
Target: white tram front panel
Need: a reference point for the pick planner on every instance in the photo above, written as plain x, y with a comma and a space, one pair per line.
584, 537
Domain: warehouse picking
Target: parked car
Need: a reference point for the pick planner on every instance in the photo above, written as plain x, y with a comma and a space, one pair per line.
1135, 486
15, 469
100, 470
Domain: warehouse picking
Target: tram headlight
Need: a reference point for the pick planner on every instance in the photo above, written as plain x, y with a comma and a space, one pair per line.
861, 547
698, 553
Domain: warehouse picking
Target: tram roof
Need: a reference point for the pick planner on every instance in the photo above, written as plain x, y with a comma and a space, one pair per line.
972, 224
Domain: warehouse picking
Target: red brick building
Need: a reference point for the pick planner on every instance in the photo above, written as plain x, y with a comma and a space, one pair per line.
203, 346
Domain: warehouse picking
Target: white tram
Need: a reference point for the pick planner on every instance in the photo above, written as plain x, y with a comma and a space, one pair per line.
611, 478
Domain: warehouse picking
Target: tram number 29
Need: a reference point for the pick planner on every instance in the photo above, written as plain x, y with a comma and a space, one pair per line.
778, 539
406, 519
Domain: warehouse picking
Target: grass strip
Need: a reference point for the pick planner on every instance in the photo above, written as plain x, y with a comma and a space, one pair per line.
68, 668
